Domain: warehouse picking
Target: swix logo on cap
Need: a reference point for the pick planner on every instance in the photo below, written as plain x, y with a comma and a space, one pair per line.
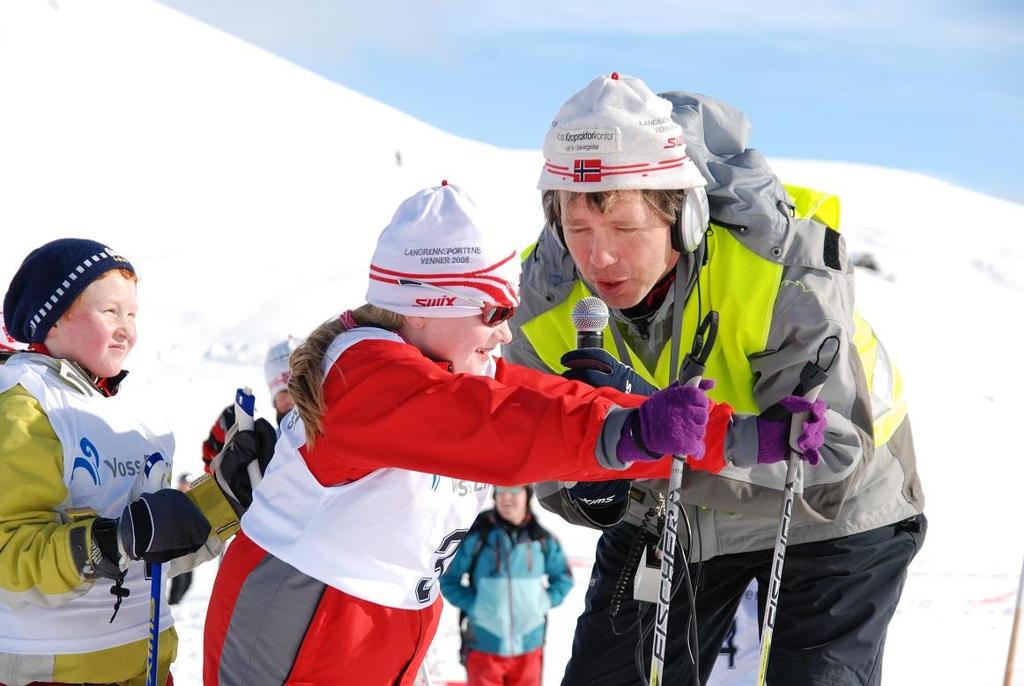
585, 171
443, 301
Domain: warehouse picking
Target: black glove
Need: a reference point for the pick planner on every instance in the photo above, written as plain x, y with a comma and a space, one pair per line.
231, 467
157, 527
600, 494
105, 556
596, 367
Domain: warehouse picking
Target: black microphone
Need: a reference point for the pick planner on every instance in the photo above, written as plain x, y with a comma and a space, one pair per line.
590, 316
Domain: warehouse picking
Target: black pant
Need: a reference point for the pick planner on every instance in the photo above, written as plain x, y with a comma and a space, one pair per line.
179, 585
836, 600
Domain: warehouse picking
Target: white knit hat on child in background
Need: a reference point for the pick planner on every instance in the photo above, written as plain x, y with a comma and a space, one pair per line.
616, 134
276, 368
439, 246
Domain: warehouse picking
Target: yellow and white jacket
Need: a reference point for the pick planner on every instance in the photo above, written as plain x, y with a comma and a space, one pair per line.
68, 453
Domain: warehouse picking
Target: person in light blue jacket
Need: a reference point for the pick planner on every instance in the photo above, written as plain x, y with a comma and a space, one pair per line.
508, 573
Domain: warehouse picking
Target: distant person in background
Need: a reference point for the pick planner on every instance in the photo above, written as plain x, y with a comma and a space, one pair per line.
277, 373
217, 436
182, 582
508, 573
739, 656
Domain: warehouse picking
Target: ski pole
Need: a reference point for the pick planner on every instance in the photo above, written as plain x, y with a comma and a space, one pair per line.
423, 675
690, 375
812, 378
1012, 654
245, 411
245, 408
157, 475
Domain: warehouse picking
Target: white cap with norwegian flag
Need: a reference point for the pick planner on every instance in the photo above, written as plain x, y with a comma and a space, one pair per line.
442, 256
616, 134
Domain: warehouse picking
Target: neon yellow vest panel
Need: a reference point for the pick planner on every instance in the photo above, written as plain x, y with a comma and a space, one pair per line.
743, 287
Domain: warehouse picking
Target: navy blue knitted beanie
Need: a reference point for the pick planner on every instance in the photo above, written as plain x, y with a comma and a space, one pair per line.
49, 280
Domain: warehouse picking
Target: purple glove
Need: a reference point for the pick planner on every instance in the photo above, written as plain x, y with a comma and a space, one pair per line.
672, 421
773, 437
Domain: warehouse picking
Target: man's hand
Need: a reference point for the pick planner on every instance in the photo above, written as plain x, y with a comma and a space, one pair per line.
597, 368
600, 494
773, 436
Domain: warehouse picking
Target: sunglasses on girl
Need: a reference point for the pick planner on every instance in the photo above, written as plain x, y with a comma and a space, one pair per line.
491, 313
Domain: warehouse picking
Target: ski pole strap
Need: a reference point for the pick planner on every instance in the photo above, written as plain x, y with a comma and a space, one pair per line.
813, 374
703, 341
636, 433
812, 378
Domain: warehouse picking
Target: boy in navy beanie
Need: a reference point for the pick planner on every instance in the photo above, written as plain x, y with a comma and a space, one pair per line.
86, 498
50, 279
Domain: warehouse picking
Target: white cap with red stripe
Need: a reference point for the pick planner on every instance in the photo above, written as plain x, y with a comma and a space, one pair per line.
442, 256
616, 134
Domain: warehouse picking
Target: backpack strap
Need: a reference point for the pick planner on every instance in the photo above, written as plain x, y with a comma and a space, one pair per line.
536, 532
482, 527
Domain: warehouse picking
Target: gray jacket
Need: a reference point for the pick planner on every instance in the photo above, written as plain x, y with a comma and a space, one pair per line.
858, 485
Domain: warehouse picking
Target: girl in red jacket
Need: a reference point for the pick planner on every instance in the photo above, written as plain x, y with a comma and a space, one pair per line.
404, 415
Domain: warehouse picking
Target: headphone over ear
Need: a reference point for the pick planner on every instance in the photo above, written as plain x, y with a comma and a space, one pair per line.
692, 221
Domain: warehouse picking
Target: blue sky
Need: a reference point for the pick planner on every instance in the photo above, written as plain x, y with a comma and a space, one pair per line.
930, 86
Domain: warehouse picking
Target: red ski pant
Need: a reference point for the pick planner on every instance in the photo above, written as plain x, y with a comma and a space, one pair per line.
484, 669
269, 623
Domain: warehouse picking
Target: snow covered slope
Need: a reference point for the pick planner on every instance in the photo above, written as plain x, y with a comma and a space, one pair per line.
249, 194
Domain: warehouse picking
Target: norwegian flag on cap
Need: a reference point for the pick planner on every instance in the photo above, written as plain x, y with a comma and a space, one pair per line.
586, 171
